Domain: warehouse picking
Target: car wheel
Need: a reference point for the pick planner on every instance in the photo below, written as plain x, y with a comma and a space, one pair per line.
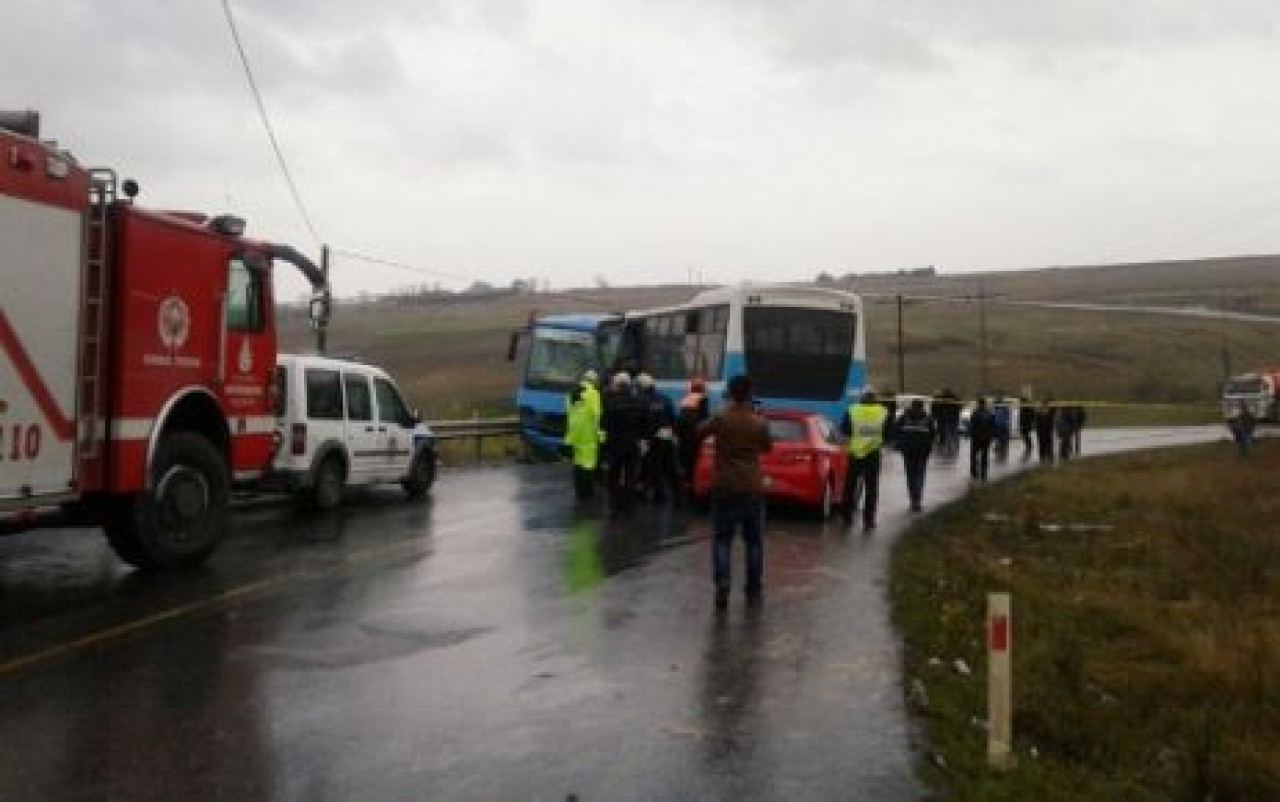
326, 493
422, 475
826, 505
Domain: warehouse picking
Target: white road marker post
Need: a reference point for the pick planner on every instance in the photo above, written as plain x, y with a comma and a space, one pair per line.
999, 682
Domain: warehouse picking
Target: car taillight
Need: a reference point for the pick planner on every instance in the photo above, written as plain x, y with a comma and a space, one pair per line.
298, 439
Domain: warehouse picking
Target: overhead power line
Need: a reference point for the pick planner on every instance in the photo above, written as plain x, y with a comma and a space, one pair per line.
266, 123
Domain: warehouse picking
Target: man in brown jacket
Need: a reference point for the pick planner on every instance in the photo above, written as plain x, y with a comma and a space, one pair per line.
737, 490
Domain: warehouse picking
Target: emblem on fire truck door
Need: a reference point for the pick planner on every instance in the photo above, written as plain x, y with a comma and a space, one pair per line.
173, 322
245, 360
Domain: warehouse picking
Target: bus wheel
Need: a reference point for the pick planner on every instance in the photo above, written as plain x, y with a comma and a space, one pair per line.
179, 521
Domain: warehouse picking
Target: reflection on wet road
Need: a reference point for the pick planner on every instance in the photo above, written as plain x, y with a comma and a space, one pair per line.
495, 643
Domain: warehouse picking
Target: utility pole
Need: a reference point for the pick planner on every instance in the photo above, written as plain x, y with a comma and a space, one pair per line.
324, 269
982, 337
902, 364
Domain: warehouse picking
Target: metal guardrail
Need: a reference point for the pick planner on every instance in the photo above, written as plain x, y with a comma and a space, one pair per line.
476, 428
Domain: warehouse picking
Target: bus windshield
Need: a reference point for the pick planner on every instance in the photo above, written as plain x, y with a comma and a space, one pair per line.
797, 352
558, 358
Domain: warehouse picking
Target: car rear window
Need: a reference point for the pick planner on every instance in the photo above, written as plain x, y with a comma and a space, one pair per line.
786, 430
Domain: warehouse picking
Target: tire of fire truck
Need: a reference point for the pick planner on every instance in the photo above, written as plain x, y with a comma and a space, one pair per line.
179, 522
422, 475
326, 488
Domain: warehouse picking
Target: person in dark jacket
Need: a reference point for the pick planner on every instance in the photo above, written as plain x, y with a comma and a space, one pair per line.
1045, 423
947, 409
982, 430
1065, 427
623, 423
658, 473
737, 490
915, 433
1026, 425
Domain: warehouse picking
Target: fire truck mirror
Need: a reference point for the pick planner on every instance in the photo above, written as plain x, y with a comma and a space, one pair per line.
130, 188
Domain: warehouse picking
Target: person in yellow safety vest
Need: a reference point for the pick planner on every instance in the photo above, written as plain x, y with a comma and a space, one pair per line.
582, 435
864, 425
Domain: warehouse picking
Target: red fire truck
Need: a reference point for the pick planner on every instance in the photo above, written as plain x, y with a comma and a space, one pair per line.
137, 350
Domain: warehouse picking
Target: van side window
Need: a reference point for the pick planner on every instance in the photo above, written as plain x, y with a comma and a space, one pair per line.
244, 297
390, 408
324, 394
359, 403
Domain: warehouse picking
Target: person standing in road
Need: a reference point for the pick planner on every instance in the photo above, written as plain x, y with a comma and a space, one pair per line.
1242, 425
1026, 425
737, 490
947, 406
1004, 426
623, 424
582, 436
1065, 428
1045, 425
915, 434
658, 471
864, 426
982, 430
694, 409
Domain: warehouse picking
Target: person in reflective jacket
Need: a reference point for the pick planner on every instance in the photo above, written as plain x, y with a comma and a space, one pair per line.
864, 426
915, 434
582, 436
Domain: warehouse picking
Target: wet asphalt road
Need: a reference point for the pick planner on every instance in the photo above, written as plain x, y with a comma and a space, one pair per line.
492, 644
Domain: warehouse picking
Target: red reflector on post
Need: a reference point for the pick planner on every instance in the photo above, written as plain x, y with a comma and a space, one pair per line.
998, 634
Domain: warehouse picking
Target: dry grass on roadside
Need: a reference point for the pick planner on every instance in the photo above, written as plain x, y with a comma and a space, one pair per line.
1146, 593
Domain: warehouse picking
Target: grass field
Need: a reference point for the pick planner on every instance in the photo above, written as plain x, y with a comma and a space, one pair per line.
1146, 648
450, 355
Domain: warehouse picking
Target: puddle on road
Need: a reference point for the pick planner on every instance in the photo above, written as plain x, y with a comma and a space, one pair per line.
372, 644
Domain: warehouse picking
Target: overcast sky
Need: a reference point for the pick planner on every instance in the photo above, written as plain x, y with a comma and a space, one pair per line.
650, 141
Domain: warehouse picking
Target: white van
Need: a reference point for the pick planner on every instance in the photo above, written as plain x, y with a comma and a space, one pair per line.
344, 423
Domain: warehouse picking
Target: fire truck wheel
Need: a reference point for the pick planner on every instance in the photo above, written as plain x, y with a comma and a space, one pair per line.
422, 474
179, 522
326, 492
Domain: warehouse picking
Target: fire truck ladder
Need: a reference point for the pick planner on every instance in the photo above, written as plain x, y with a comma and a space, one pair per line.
93, 314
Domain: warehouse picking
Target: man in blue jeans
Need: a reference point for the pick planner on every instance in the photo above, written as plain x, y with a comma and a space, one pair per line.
737, 490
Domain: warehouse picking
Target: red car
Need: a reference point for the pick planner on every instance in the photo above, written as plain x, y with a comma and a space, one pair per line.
806, 466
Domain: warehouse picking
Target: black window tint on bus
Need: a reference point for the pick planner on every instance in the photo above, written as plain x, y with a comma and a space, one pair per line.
324, 394
359, 404
796, 352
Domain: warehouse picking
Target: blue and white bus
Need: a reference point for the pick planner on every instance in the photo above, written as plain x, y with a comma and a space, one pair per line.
803, 347
557, 350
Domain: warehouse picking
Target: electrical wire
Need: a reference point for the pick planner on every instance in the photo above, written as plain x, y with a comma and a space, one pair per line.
266, 123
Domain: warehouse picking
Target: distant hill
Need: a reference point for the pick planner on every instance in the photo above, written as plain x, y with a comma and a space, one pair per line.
449, 348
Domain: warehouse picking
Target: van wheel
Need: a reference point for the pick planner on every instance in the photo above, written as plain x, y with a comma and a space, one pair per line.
422, 475
326, 492
180, 520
